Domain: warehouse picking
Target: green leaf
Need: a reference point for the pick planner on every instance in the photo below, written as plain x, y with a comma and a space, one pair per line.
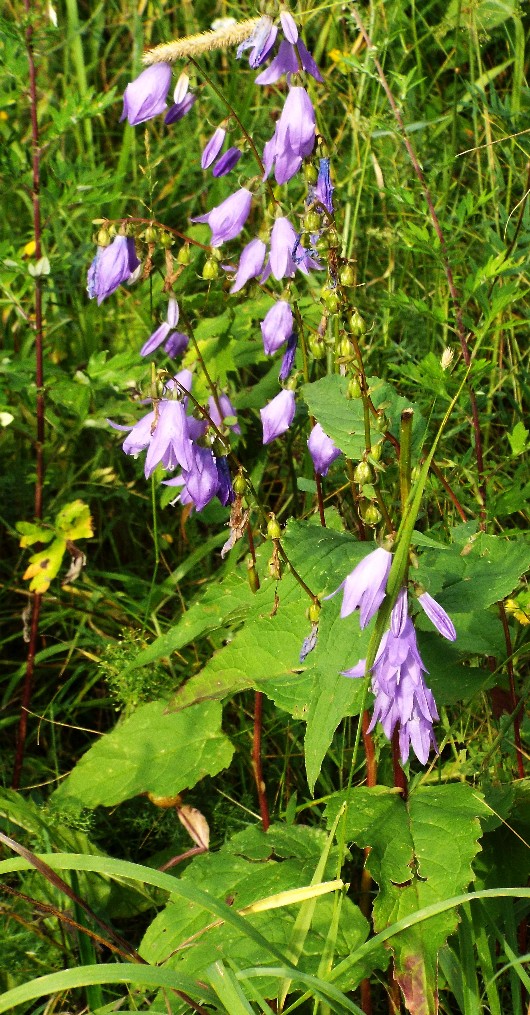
471, 577
518, 438
413, 866
151, 751
32, 533
74, 521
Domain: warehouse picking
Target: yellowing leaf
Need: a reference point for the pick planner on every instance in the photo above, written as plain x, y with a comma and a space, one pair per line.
43, 566
74, 521
32, 533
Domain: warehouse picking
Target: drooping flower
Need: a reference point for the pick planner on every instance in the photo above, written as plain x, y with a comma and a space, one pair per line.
250, 263
227, 162
438, 616
227, 219
322, 449
213, 147
322, 192
179, 109
294, 136
287, 61
365, 587
146, 96
260, 41
402, 698
175, 341
289, 27
278, 415
277, 326
111, 266
227, 411
287, 253
288, 357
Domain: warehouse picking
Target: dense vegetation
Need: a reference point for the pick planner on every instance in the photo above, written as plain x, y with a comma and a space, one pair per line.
200, 811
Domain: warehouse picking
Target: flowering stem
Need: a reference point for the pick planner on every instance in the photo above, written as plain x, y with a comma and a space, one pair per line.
405, 439
256, 760
39, 384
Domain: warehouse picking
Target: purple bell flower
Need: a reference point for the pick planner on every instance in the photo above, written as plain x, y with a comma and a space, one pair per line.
323, 189
213, 147
277, 326
227, 162
111, 266
228, 219
294, 137
202, 478
288, 357
261, 40
365, 587
289, 27
287, 61
163, 331
179, 109
225, 491
438, 616
227, 410
402, 698
146, 96
176, 344
278, 415
250, 263
287, 253
322, 449
164, 434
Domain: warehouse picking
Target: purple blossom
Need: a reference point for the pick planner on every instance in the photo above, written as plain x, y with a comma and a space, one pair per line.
287, 61
323, 189
289, 27
111, 266
261, 40
365, 587
278, 415
227, 410
176, 342
164, 434
225, 490
213, 147
250, 263
227, 162
202, 479
179, 109
398, 617
438, 616
146, 96
277, 326
288, 357
294, 137
283, 242
401, 695
227, 219
323, 450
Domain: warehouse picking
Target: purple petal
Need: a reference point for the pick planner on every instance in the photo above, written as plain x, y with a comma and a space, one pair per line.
146, 96
227, 162
213, 147
250, 263
278, 415
438, 616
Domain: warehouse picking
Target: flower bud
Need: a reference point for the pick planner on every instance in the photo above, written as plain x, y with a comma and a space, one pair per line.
347, 275
240, 485
354, 388
312, 221
210, 269
382, 422
345, 349
310, 173
317, 348
322, 244
183, 256
357, 325
376, 451
313, 612
333, 238
330, 299
253, 579
150, 235
103, 237
273, 529
363, 473
371, 515
166, 240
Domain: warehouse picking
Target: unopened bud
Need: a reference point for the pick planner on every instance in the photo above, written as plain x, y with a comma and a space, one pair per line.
183, 256
371, 515
382, 422
310, 173
376, 451
357, 325
253, 579
354, 388
240, 484
322, 244
330, 299
273, 529
363, 474
103, 237
210, 269
345, 349
333, 238
166, 240
150, 235
313, 612
312, 222
347, 275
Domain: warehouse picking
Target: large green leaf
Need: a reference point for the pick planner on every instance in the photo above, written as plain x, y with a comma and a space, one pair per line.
420, 853
252, 866
151, 751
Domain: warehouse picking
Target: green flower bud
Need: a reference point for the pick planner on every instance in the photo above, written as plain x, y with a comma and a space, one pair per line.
354, 388
313, 612
166, 240
273, 529
345, 349
240, 485
184, 256
253, 579
317, 348
312, 221
103, 238
376, 451
150, 235
333, 238
330, 299
322, 244
310, 173
371, 515
347, 275
210, 269
382, 423
363, 473
357, 325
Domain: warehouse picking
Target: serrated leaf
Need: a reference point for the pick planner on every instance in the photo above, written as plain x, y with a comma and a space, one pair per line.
151, 751
32, 533
412, 863
44, 566
74, 521
472, 578
518, 438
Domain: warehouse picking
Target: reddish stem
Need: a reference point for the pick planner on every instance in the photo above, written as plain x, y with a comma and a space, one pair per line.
256, 760
400, 779
40, 406
513, 692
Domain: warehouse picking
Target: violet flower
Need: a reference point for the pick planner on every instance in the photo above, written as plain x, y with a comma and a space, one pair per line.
213, 147
278, 415
284, 240
261, 40
277, 326
294, 137
402, 698
365, 586
438, 616
179, 109
250, 263
111, 266
175, 342
146, 96
322, 449
287, 61
227, 219
288, 357
227, 411
164, 434
322, 192
227, 162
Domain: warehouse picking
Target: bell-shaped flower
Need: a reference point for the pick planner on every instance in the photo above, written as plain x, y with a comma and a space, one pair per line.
278, 415
277, 326
289, 27
227, 411
288, 357
111, 266
287, 253
202, 479
213, 147
438, 616
179, 109
146, 96
365, 587
294, 137
176, 344
287, 61
250, 263
162, 333
227, 162
322, 449
227, 219
322, 192
260, 41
